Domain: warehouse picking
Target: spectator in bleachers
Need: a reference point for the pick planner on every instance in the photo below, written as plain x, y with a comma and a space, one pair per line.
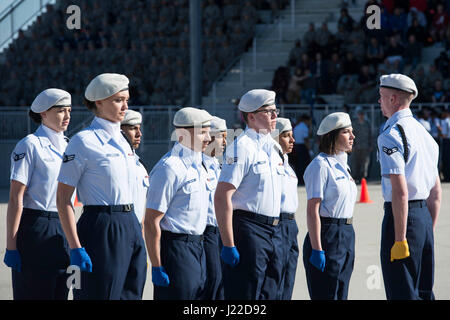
418, 31
356, 47
296, 53
346, 86
293, 93
442, 64
367, 81
308, 84
398, 22
319, 70
180, 86
362, 146
439, 93
280, 83
158, 96
420, 5
350, 64
309, 37
335, 70
322, 38
394, 51
413, 52
249, 10
414, 13
439, 23
346, 20
374, 52
430, 78
304, 62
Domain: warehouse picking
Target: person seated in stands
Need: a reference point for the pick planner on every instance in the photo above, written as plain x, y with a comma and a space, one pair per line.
439, 93
335, 70
296, 52
439, 23
394, 51
309, 37
322, 38
346, 20
350, 64
413, 52
374, 52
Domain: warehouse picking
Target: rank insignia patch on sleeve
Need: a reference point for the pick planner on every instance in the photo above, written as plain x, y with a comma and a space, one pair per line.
68, 157
19, 156
390, 151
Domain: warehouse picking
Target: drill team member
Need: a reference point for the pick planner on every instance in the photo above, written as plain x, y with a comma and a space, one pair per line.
131, 127
247, 204
329, 246
408, 157
289, 204
212, 243
177, 209
36, 249
107, 242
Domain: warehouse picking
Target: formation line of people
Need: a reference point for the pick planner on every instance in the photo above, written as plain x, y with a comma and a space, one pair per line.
215, 216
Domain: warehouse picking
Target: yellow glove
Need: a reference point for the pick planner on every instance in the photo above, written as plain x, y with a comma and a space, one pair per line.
400, 250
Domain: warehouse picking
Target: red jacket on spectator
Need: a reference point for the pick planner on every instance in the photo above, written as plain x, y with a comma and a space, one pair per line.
389, 5
440, 20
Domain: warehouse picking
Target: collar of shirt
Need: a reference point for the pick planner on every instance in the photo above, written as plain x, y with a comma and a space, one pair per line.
188, 156
397, 116
210, 162
108, 129
49, 136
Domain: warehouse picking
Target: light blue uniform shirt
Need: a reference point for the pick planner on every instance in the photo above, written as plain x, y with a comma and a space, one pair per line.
178, 190
421, 170
289, 196
100, 163
35, 162
254, 167
140, 196
213, 167
328, 178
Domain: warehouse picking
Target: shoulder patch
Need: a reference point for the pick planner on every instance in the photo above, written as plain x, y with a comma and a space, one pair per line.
18, 156
68, 157
390, 151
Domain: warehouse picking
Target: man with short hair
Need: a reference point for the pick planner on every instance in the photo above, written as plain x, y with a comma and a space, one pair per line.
411, 189
247, 204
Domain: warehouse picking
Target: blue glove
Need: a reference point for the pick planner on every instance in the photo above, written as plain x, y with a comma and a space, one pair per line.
317, 259
160, 277
12, 259
80, 258
230, 255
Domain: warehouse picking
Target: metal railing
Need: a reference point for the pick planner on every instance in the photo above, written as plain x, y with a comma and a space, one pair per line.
19, 15
158, 131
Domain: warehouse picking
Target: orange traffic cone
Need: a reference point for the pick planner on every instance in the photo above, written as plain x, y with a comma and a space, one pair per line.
364, 198
76, 203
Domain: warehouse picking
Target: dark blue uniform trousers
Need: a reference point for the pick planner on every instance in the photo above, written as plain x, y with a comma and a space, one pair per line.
45, 257
213, 245
410, 278
338, 242
289, 232
183, 258
258, 274
112, 237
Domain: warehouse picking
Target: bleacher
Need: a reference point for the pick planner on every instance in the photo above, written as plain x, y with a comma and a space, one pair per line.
147, 40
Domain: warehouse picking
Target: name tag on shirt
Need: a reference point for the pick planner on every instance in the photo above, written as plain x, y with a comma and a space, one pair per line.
340, 178
112, 155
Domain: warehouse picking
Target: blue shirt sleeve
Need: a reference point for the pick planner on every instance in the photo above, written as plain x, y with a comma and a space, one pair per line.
73, 163
390, 153
315, 178
22, 162
163, 187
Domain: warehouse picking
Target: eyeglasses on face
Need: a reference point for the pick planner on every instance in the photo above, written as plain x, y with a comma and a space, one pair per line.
268, 112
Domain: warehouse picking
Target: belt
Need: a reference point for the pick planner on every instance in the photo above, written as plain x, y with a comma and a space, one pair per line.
271, 221
113, 208
338, 221
411, 204
181, 236
40, 213
287, 216
211, 229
